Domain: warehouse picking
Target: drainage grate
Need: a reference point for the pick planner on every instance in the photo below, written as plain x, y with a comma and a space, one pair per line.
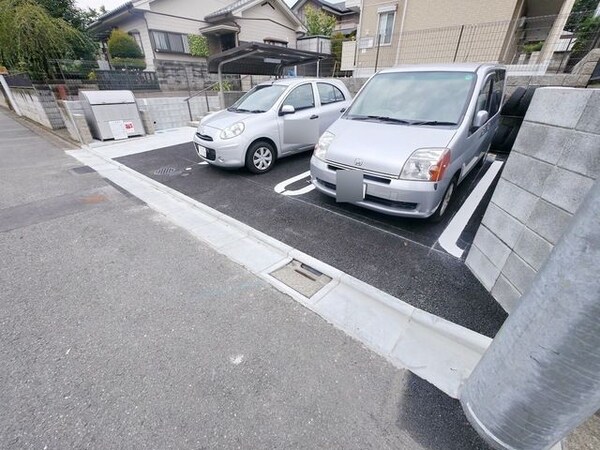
167, 171
302, 278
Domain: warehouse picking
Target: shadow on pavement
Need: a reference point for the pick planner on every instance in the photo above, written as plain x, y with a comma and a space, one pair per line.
435, 420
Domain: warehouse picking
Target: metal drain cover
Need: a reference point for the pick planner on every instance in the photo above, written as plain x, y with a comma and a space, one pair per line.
301, 278
167, 171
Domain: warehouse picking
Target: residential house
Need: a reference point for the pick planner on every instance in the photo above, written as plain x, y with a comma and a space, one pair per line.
347, 18
161, 29
428, 31
270, 21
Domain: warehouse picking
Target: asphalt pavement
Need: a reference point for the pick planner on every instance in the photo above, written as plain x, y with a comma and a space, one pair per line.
120, 330
398, 256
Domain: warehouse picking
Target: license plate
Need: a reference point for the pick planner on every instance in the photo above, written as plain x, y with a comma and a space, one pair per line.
350, 186
201, 151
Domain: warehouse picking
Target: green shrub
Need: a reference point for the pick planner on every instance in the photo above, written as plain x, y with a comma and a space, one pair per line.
122, 45
227, 86
533, 47
128, 63
198, 45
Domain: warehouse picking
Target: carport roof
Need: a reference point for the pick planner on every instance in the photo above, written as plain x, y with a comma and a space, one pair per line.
253, 58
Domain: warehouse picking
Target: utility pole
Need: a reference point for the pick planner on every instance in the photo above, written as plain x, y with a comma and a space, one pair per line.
540, 378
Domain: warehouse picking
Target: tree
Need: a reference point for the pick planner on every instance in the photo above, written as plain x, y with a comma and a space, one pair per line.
318, 22
30, 38
582, 10
70, 13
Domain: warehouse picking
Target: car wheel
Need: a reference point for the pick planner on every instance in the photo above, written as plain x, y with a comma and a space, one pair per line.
511, 106
438, 215
260, 157
526, 101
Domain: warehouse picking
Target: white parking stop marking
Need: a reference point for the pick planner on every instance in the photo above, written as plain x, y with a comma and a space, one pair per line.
280, 188
451, 234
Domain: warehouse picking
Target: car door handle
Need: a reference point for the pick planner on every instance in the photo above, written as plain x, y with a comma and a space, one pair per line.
314, 116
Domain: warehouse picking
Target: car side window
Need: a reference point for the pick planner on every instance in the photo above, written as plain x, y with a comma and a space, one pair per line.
496, 99
483, 98
301, 97
328, 93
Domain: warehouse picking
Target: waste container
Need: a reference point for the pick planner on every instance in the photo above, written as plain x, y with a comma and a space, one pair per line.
111, 114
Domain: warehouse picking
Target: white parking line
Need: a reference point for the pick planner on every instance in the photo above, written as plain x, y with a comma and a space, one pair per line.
451, 234
280, 188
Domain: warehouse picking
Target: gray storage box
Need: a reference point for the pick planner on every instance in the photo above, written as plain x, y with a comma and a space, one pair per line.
111, 114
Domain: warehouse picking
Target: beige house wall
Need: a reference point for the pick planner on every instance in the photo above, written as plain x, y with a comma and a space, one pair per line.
431, 31
262, 22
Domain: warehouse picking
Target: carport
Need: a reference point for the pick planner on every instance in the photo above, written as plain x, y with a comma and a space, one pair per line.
254, 58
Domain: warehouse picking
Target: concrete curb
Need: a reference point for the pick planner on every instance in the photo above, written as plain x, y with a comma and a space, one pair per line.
433, 348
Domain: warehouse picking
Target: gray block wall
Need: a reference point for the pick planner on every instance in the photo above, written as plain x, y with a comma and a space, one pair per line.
552, 166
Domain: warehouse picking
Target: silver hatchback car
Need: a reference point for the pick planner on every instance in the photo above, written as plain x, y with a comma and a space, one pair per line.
414, 133
273, 120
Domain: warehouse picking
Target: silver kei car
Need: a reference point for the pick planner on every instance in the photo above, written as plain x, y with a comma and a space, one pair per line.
273, 120
413, 133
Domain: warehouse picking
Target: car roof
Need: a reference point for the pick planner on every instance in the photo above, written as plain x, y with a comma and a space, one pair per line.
454, 67
296, 80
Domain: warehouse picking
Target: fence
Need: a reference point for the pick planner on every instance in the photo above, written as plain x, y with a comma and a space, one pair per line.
529, 45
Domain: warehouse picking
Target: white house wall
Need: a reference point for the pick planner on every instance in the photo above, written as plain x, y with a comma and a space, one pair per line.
274, 23
194, 9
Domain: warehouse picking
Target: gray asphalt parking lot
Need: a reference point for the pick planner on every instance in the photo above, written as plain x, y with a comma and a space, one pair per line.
399, 256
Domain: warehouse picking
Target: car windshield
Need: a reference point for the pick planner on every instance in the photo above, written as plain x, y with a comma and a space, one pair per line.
414, 98
259, 99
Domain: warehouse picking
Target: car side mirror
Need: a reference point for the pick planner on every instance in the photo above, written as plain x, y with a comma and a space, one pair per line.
287, 109
480, 119
343, 110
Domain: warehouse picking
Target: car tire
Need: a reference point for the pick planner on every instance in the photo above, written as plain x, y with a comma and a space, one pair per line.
260, 157
442, 208
511, 106
506, 134
525, 101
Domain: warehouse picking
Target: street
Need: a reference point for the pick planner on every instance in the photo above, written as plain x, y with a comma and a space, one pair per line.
122, 330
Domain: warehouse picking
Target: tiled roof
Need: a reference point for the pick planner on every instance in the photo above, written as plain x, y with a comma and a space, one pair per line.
229, 8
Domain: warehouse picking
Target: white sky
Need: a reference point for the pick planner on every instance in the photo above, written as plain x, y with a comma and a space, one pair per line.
111, 4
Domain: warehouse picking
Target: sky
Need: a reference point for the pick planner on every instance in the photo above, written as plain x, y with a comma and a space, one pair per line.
110, 4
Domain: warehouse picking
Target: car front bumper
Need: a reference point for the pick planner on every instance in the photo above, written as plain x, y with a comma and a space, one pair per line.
222, 153
388, 196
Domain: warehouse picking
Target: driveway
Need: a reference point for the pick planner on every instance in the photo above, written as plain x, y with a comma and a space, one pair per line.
398, 256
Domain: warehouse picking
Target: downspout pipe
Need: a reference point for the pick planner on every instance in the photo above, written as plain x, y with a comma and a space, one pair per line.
540, 377
401, 32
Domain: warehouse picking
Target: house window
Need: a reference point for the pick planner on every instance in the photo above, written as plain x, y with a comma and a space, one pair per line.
170, 42
138, 39
386, 27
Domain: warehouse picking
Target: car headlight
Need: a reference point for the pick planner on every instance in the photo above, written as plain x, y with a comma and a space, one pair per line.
323, 145
233, 130
426, 164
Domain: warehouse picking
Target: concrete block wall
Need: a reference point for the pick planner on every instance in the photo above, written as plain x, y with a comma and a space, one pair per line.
172, 112
579, 76
553, 164
48, 102
73, 116
30, 106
